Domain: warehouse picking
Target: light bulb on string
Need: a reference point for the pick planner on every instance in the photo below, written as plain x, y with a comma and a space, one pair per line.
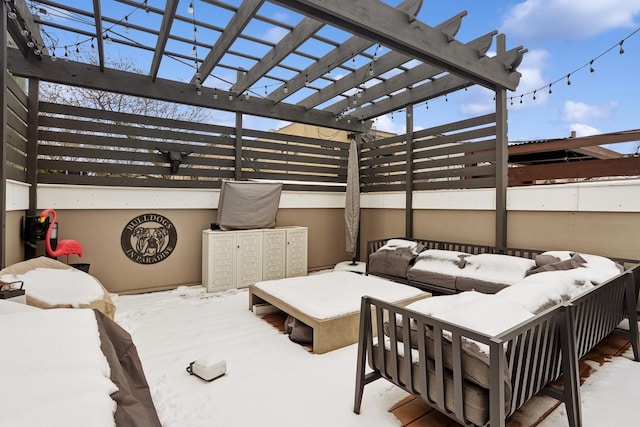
126, 24
306, 80
54, 58
569, 79
534, 95
591, 69
230, 97
550, 91
285, 89
190, 8
215, 93
12, 14
521, 98
92, 45
370, 70
621, 49
246, 96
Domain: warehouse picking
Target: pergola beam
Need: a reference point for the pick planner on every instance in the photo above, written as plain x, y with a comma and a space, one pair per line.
165, 27
397, 31
353, 46
97, 14
386, 63
424, 92
239, 21
301, 33
409, 78
88, 76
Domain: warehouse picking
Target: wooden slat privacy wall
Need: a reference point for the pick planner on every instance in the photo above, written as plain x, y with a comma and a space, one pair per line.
87, 146
80, 145
16, 131
456, 155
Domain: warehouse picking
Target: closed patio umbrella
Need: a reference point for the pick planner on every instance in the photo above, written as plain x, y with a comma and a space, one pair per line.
352, 202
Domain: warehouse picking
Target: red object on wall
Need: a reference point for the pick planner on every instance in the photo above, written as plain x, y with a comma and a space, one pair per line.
65, 247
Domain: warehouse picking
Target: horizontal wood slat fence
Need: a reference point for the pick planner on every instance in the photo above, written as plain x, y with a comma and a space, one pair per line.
85, 146
456, 155
16, 131
80, 145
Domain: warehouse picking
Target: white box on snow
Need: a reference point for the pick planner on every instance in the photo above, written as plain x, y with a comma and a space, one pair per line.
208, 369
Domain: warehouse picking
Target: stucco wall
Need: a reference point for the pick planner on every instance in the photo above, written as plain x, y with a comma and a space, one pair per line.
599, 219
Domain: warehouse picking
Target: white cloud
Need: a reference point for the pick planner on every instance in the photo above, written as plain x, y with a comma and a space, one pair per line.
583, 130
386, 124
581, 112
568, 19
275, 34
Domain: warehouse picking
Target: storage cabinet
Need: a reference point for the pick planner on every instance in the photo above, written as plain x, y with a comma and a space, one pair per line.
236, 259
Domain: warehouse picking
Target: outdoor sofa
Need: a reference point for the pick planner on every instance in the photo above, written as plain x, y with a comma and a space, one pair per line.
478, 357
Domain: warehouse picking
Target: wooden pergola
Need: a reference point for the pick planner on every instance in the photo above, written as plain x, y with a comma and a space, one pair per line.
342, 64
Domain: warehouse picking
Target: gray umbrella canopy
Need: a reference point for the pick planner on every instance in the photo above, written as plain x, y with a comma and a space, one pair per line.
352, 201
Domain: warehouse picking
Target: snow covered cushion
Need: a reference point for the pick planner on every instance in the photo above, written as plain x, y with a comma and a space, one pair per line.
574, 262
394, 258
541, 291
52, 284
471, 310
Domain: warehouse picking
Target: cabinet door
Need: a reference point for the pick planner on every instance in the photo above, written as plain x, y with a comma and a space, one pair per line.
297, 251
218, 261
274, 244
248, 258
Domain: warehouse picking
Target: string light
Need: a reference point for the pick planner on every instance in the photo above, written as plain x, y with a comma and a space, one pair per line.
190, 8
589, 64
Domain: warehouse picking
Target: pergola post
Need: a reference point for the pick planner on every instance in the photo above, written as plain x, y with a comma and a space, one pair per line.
238, 167
3, 134
502, 172
409, 174
502, 157
32, 154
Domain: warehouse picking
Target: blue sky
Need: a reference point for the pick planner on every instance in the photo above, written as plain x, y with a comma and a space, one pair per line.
561, 37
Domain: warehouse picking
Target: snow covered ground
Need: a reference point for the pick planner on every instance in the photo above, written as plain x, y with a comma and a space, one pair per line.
271, 381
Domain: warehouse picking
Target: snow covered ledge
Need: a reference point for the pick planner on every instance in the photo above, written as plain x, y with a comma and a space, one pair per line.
600, 196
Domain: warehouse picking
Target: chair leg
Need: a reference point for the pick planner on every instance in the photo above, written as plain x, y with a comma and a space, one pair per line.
571, 371
632, 317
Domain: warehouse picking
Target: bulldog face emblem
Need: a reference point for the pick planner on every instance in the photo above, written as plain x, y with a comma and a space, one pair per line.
148, 238
150, 241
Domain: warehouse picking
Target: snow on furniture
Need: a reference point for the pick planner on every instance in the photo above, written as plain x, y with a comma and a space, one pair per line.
330, 302
52, 284
448, 267
479, 357
76, 366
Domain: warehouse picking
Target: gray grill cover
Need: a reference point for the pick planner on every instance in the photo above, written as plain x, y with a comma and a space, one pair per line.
247, 205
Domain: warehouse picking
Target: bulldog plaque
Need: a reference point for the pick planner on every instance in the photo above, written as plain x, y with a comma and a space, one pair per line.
148, 238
